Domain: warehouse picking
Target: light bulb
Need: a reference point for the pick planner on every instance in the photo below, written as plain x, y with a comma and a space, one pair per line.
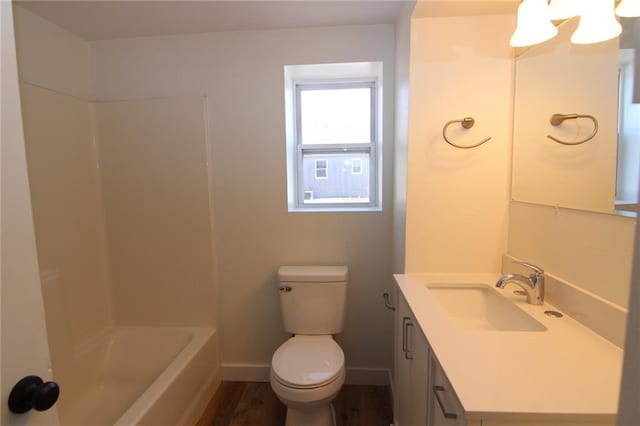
597, 23
534, 25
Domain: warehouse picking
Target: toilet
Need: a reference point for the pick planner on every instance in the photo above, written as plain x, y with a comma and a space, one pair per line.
307, 371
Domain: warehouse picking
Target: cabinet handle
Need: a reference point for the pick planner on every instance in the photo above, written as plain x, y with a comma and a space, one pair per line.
407, 352
404, 335
447, 414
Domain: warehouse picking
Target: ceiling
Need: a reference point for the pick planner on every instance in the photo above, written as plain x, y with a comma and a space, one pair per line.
103, 20
434, 8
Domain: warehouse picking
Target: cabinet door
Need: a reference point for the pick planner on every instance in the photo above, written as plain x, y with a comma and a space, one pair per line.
402, 377
418, 349
401, 367
444, 407
411, 368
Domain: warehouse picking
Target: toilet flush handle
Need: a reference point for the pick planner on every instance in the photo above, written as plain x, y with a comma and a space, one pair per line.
285, 288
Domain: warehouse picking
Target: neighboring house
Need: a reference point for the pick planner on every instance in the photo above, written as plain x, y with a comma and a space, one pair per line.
336, 177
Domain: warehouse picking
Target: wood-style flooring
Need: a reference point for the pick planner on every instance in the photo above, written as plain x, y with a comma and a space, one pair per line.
255, 404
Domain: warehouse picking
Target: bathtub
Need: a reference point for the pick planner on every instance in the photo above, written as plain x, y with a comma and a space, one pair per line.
140, 376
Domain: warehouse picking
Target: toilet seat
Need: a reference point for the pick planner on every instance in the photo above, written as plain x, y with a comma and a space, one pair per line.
307, 362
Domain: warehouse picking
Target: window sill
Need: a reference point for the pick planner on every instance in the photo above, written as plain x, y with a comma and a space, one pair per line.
334, 209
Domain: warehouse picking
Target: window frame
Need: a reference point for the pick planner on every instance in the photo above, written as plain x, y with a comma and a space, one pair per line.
370, 148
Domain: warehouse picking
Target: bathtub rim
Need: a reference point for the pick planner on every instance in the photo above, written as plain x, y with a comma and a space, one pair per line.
136, 411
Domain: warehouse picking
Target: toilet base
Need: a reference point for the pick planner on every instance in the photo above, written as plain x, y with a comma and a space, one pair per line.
322, 415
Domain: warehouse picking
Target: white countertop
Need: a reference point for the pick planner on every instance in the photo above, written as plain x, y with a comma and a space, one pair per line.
565, 370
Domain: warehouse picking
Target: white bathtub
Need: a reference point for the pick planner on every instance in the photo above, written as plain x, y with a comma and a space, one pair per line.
140, 376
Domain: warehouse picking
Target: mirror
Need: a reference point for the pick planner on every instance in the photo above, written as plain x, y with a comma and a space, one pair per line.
589, 157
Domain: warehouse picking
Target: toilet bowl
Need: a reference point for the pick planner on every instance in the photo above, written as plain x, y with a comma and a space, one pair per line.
308, 370
307, 373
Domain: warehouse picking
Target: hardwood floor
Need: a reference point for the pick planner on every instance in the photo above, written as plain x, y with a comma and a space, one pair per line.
255, 404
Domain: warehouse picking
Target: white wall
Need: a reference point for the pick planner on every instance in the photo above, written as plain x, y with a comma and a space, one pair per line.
51, 57
152, 251
67, 210
591, 250
63, 171
457, 199
403, 45
23, 335
153, 165
242, 74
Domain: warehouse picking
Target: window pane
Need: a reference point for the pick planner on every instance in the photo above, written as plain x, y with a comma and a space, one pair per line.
338, 184
335, 116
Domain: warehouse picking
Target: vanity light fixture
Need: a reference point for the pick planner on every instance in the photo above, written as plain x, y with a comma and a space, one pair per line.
597, 22
534, 25
564, 9
628, 9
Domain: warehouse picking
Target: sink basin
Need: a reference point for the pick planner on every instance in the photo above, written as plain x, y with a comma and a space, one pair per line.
479, 307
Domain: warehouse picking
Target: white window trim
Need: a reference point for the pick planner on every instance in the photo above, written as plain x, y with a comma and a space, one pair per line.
370, 148
326, 74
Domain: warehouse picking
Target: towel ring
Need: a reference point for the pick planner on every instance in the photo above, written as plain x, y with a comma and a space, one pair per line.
558, 119
467, 123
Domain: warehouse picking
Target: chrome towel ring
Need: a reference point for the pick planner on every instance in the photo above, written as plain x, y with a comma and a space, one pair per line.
558, 119
467, 123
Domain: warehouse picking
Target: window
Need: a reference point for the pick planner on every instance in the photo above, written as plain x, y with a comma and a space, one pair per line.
333, 129
628, 134
337, 122
321, 171
356, 166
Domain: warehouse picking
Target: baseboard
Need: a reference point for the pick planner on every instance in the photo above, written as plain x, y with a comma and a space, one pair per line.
260, 373
392, 388
367, 376
245, 372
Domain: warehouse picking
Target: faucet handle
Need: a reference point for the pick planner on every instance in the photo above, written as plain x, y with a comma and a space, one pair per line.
536, 269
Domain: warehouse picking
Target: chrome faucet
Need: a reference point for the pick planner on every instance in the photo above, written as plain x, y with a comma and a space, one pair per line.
533, 285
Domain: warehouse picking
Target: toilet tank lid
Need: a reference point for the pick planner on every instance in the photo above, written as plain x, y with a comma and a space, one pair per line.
325, 274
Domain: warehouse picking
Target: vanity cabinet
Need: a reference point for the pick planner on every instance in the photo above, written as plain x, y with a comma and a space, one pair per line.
412, 367
423, 395
444, 409
423, 390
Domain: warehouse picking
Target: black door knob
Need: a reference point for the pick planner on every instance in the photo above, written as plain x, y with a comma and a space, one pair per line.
32, 392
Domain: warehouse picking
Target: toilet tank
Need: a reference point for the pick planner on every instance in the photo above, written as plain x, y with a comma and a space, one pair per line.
313, 299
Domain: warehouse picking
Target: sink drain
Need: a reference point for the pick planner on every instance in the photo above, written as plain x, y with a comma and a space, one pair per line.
554, 314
